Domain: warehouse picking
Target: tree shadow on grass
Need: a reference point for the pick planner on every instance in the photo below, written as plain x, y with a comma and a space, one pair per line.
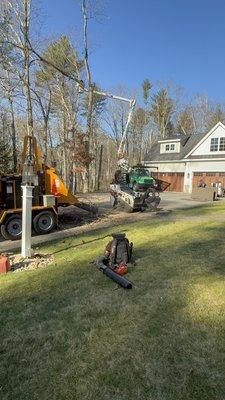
201, 209
68, 247
67, 333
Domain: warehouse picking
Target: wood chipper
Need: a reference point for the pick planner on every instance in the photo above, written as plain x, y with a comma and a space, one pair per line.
49, 193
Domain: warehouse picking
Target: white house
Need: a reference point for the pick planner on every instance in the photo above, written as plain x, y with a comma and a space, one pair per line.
186, 160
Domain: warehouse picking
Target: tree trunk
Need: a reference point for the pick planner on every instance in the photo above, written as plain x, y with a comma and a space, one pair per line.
13, 133
88, 138
100, 167
45, 140
65, 159
74, 163
51, 149
26, 79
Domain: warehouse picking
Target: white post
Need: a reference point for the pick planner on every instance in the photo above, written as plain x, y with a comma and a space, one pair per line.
26, 250
188, 174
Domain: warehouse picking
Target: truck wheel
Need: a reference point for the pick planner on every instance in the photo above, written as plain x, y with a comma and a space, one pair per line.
44, 222
12, 228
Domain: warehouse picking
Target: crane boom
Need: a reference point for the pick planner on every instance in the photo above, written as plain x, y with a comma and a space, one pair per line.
121, 150
132, 102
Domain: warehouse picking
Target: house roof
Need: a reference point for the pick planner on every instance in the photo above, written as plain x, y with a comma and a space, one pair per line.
213, 156
174, 137
187, 143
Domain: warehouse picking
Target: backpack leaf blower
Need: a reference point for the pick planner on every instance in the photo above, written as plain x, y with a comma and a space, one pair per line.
118, 254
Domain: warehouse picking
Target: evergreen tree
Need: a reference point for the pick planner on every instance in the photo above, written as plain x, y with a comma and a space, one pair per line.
146, 87
186, 122
162, 109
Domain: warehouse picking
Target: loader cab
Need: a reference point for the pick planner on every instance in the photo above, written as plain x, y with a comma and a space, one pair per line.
140, 178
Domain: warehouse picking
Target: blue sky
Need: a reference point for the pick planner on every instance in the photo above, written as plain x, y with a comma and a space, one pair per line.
163, 40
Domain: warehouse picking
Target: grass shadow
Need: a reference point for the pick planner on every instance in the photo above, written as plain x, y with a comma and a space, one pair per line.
68, 333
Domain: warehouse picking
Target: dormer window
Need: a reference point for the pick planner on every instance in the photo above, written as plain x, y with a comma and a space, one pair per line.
170, 147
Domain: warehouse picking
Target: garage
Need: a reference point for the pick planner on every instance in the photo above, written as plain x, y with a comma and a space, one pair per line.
184, 161
176, 180
208, 178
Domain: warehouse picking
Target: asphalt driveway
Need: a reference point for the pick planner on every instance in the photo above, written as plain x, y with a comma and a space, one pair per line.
169, 201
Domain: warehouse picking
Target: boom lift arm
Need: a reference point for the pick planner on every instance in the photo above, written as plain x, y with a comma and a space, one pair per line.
132, 103
122, 162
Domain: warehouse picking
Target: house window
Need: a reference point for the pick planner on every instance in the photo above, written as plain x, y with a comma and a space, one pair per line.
170, 147
222, 144
214, 144
217, 144
167, 147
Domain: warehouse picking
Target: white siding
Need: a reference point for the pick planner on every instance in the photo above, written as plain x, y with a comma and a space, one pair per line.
176, 147
168, 167
204, 148
200, 166
207, 166
189, 168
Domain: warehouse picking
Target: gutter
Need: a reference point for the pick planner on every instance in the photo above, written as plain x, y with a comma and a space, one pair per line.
184, 160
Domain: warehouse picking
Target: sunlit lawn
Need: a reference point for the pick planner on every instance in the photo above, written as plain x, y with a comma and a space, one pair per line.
68, 332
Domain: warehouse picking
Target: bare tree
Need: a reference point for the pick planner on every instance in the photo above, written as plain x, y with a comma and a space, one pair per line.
7, 85
88, 136
217, 115
45, 103
18, 15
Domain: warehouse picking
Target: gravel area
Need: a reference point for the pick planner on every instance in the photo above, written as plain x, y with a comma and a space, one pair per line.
19, 263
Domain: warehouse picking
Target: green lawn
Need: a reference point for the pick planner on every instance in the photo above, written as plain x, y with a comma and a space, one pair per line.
69, 333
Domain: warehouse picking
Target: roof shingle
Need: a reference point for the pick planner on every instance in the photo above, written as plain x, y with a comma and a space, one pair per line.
187, 143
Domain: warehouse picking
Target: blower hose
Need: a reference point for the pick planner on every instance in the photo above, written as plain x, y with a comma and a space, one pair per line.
111, 274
